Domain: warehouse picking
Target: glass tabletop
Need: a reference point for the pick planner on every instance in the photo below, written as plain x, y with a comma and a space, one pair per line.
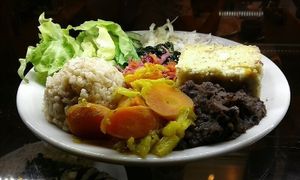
273, 26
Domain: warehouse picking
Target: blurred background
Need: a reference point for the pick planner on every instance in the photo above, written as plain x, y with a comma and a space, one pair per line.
19, 18
273, 25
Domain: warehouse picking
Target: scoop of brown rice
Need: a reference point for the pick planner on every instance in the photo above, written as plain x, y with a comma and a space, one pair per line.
93, 79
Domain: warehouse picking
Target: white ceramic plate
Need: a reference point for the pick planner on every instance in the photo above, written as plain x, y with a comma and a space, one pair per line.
275, 93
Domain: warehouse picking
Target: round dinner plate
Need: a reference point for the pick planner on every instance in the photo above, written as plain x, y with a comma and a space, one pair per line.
275, 92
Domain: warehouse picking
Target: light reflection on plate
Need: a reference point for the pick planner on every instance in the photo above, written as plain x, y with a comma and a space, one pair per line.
275, 92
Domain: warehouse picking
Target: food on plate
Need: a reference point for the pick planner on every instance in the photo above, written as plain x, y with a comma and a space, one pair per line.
107, 40
156, 62
162, 142
56, 47
164, 52
104, 39
147, 71
150, 92
144, 132
84, 119
173, 132
234, 67
134, 100
165, 33
92, 79
166, 100
221, 115
131, 121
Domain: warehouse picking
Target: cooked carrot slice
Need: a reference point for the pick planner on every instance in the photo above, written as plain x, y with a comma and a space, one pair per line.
166, 100
131, 101
84, 119
133, 121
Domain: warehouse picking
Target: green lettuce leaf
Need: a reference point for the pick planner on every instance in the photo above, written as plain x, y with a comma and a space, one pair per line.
108, 40
99, 38
51, 53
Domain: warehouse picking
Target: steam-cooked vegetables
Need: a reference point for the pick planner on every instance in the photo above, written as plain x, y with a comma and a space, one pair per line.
132, 121
173, 132
84, 119
166, 100
160, 142
172, 107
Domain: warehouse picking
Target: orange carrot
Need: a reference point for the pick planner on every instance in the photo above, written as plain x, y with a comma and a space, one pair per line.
131, 101
84, 119
166, 100
133, 121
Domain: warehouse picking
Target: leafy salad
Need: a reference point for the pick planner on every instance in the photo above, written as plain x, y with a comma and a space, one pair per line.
99, 38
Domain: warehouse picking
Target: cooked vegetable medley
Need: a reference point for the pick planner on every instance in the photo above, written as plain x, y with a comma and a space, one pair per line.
106, 84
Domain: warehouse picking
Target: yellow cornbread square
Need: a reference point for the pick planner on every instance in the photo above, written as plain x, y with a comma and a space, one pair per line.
233, 67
